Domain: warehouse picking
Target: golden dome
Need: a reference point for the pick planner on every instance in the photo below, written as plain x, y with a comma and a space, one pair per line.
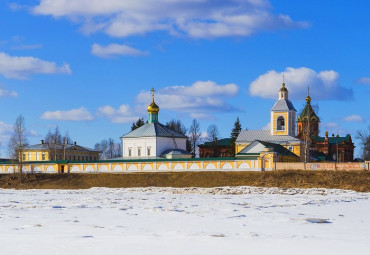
153, 108
283, 88
308, 99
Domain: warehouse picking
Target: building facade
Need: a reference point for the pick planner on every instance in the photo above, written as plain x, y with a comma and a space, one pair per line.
218, 148
154, 139
333, 148
51, 151
279, 142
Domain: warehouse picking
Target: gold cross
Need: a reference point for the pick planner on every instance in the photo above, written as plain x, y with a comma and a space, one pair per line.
152, 90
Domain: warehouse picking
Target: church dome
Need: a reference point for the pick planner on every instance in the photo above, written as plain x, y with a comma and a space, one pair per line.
308, 99
153, 108
283, 88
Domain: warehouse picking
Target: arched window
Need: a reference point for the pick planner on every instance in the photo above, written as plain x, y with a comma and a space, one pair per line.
280, 123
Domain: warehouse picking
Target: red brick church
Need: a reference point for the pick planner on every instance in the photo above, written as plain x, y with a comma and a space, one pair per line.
333, 148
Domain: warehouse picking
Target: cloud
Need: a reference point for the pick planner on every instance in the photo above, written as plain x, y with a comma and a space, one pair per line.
8, 93
123, 114
195, 18
353, 118
80, 114
203, 116
22, 67
201, 97
364, 80
267, 126
324, 85
114, 49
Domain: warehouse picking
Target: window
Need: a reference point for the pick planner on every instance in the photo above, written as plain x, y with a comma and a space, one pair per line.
29, 156
83, 158
43, 156
90, 158
74, 157
78, 158
280, 123
290, 148
129, 152
139, 151
148, 151
24, 156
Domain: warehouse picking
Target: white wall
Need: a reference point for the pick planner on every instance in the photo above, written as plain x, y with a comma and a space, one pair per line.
135, 143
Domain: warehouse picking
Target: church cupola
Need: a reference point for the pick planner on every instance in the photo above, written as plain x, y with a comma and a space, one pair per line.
283, 93
153, 109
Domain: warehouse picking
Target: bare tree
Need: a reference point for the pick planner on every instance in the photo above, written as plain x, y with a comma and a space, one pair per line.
55, 139
109, 148
213, 135
364, 137
194, 136
16, 143
212, 132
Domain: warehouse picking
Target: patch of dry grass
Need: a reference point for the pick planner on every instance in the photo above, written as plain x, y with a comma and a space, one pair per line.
353, 180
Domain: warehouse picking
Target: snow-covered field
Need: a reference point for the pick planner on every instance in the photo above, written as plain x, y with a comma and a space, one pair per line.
226, 220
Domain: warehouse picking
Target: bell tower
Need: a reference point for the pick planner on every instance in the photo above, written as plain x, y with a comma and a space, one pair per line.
283, 114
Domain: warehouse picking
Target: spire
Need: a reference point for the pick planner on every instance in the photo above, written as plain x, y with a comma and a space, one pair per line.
153, 109
283, 92
308, 98
283, 88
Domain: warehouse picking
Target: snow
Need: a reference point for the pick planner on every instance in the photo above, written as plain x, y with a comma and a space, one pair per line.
224, 220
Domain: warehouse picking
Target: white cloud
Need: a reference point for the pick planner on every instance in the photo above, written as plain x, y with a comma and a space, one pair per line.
363, 80
267, 126
323, 85
114, 49
353, 118
8, 93
203, 116
200, 98
22, 67
80, 114
123, 114
196, 18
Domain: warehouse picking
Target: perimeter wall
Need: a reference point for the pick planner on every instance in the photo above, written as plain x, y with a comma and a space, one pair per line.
219, 164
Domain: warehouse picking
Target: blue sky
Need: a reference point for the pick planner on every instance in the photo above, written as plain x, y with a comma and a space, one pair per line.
88, 66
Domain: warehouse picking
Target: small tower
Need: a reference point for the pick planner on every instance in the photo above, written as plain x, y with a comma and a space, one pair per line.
308, 122
153, 110
283, 114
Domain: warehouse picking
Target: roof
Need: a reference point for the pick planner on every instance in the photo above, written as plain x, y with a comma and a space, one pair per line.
220, 142
263, 135
279, 149
307, 112
283, 105
333, 140
175, 152
46, 146
154, 129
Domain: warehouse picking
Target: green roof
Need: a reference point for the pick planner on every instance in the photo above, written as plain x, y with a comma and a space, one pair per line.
333, 140
221, 142
308, 113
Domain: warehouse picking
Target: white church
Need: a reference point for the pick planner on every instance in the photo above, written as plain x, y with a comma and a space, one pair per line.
154, 140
